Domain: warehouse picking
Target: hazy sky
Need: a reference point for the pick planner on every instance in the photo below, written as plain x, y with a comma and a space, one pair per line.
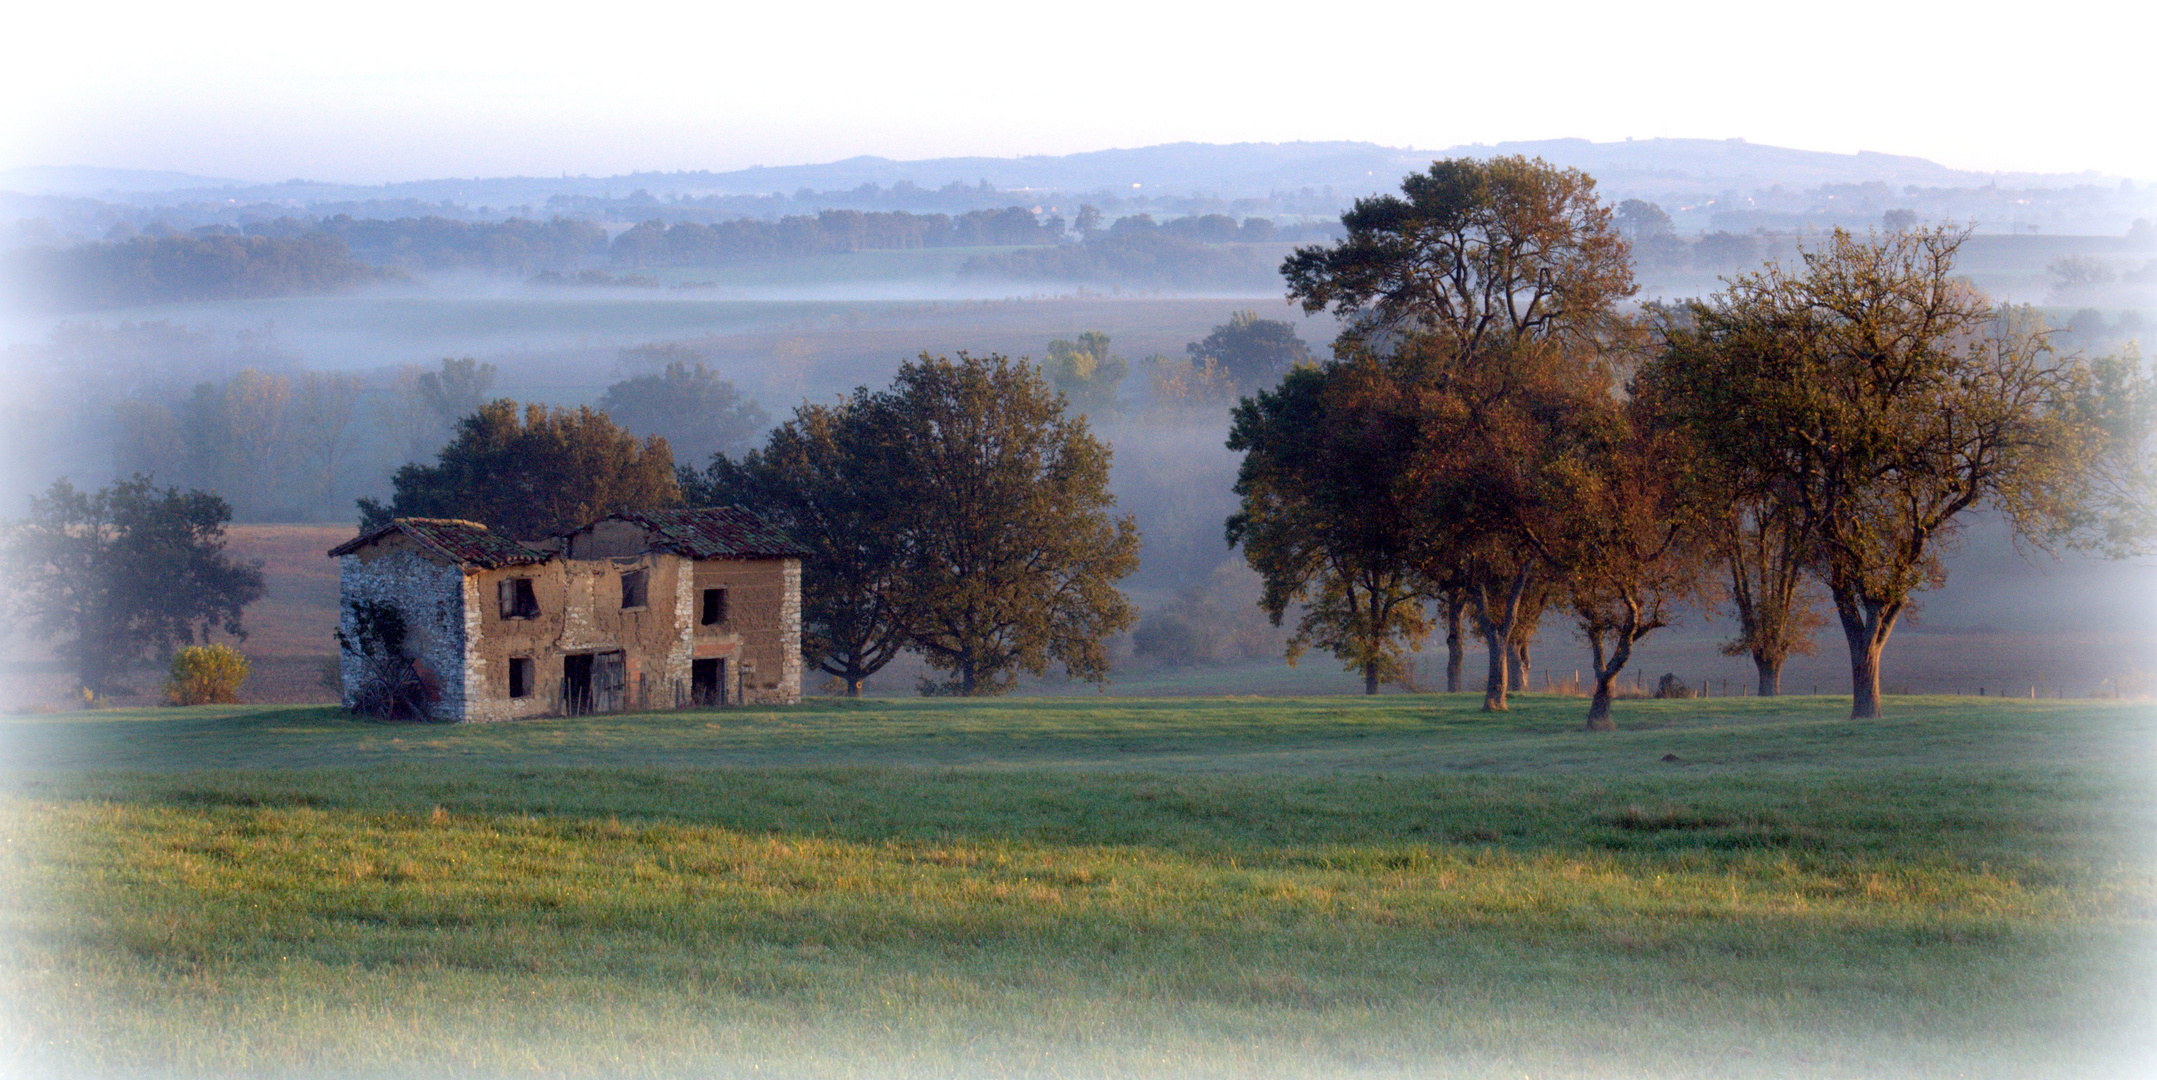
404, 90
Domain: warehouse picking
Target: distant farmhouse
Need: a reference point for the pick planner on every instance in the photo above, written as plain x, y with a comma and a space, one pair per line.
660, 609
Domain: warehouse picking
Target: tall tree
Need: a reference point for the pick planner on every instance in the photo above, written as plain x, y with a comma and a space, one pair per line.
533, 475
115, 573
1763, 541
1000, 501
1633, 544
820, 478
1325, 519
1886, 398
1487, 287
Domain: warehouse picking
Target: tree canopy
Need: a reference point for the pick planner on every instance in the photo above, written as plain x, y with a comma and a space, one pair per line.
963, 513
115, 573
1431, 459
1252, 352
534, 474
1002, 507
1471, 249
1086, 374
1880, 399
1325, 519
690, 406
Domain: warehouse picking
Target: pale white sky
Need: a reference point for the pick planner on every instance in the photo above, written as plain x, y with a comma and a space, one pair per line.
399, 89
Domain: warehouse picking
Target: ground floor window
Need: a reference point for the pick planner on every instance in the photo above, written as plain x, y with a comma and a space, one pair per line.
520, 676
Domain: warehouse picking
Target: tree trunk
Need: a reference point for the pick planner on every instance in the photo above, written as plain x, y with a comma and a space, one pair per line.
1599, 706
1518, 664
1771, 674
1370, 678
1606, 671
853, 685
1866, 625
1495, 679
1497, 633
1865, 679
1456, 650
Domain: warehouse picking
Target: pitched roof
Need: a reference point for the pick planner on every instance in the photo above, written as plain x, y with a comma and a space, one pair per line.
714, 532
465, 542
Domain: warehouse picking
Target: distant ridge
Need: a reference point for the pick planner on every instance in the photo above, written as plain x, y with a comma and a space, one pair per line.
1647, 168
89, 180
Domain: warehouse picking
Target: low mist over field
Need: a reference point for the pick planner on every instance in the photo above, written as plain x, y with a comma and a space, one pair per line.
1681, 602
559, 289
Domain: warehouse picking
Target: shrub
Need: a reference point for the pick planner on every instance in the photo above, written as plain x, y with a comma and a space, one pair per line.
206, 674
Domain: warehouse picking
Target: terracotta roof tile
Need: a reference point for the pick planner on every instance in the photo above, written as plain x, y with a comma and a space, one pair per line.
465, 542
714, 532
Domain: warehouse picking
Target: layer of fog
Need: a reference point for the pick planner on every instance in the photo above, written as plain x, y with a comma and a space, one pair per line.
73, 386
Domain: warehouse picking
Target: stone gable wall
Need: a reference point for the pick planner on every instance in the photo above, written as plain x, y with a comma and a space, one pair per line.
430, 593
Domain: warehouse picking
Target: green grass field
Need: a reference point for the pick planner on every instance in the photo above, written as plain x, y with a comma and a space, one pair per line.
1399, 886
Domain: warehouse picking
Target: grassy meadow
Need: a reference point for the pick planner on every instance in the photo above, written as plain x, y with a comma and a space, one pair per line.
1200, 887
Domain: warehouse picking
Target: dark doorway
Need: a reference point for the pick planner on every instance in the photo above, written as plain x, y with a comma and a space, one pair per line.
595, 682
577, 684
707, 682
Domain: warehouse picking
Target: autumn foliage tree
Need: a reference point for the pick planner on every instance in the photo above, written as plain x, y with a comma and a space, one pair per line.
533, 473
1880, 399
1476, 307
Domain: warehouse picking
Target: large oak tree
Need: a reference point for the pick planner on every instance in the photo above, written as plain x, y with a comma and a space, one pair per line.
1000, 507
115, 573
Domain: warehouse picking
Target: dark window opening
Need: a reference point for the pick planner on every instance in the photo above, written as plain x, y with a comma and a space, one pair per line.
633, 584
714, 607
517, 598
520, 676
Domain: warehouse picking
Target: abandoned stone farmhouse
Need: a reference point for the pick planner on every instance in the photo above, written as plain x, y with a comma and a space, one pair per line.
656, 609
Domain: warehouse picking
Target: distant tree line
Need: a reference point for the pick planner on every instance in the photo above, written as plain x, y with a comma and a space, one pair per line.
169, 269
655, 243
1147, 258
439, 243
291, 256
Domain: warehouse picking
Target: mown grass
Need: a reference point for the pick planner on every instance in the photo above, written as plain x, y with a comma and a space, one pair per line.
1307, 887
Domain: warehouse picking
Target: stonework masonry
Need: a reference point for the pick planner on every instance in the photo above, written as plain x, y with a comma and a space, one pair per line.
582, 638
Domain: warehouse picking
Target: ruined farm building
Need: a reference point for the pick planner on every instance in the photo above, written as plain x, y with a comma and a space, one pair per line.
656, 609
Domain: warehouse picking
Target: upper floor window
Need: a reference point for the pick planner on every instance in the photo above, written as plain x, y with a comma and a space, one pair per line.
518, 601
634, 583
714, 608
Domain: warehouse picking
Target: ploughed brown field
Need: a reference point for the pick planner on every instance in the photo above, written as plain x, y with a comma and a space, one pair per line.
2113, 653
